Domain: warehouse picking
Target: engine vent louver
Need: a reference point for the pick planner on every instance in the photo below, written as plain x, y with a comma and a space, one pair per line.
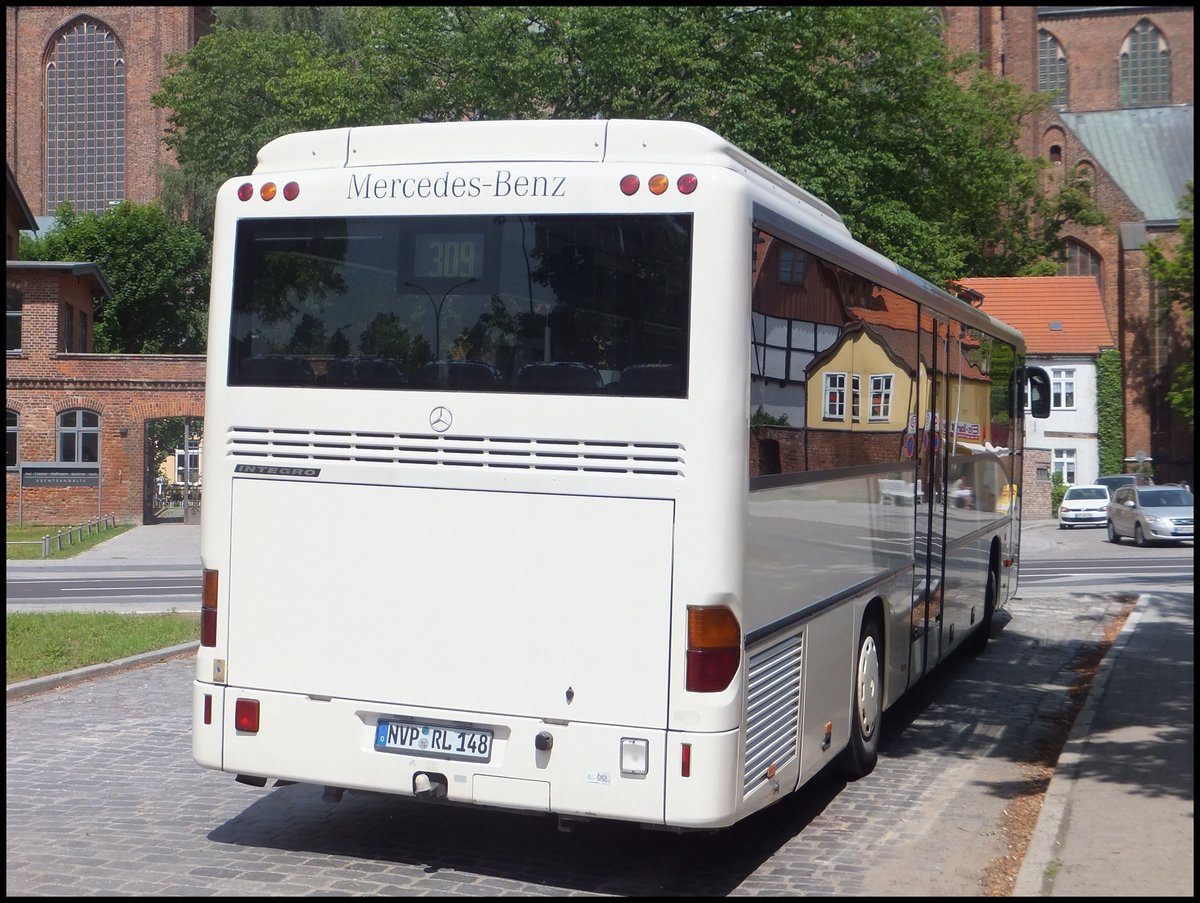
432, 449
772, 710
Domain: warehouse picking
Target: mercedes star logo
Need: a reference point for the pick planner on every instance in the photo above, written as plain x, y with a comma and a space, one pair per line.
440, 419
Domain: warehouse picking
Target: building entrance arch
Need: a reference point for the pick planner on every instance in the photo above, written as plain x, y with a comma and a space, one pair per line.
172, 478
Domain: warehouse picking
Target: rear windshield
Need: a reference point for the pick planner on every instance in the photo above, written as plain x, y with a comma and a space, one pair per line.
1086, 492
578, 305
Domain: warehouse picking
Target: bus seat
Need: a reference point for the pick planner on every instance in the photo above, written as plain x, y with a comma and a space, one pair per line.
560, 376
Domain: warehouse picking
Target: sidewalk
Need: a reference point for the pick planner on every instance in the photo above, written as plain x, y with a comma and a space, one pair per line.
142, 551
1118, 816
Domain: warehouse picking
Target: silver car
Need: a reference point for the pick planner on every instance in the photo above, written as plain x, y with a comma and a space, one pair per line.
1083, 505
1151, 514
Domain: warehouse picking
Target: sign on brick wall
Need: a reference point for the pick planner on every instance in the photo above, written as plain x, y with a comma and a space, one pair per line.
57, 474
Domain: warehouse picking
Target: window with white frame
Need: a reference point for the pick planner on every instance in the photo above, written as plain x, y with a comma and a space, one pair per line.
1064, 463
835, 396
881, 396
783, 348
11, 421
1062, 388
12, 320
78, 437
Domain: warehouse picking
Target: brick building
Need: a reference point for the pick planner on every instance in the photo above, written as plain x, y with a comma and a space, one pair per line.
108, 147
80, 127
1122, 80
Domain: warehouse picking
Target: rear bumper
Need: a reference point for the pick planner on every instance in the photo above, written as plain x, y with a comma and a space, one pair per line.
331, 742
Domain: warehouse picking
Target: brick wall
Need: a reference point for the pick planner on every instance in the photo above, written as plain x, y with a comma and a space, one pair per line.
147, 34
125, 390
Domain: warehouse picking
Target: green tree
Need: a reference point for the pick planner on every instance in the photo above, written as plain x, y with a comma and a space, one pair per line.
235, 91
863, 106
1175, 276
157, 267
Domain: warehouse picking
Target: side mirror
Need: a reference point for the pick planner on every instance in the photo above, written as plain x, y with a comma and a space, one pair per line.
1037, 396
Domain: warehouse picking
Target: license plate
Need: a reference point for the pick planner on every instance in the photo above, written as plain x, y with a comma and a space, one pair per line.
437, 741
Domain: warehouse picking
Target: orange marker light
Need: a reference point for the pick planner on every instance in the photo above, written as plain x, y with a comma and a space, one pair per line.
268, 191
714, 648
659, 184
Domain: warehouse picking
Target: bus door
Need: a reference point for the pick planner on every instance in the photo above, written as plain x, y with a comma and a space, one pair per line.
929, 547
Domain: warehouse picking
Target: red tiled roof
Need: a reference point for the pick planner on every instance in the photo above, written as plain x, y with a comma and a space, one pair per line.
1056, 314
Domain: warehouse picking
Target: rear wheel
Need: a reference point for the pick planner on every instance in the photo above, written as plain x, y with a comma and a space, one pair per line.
1113, 536
978, 641
861, 754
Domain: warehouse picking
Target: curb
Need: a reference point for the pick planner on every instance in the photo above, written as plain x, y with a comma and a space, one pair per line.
1032, 880
24, 688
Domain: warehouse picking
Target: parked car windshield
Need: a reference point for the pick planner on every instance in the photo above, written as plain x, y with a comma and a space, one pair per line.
1165, 498
1086, 492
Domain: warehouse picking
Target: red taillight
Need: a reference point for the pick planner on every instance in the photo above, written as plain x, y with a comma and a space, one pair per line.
208, 610
685, 762
291, 191
245, 191
687, 183
714, 648
245, 715
208, 708
267, 191
630, 184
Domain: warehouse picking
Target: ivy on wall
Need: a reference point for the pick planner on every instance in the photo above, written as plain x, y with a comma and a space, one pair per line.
1110, 412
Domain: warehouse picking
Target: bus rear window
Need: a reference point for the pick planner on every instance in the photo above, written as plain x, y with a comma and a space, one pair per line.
574, 305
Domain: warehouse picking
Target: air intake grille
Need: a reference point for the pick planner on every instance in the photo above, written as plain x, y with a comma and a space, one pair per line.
772, 710
590, 455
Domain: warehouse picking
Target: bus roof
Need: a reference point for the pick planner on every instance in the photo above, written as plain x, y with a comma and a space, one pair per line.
529, 141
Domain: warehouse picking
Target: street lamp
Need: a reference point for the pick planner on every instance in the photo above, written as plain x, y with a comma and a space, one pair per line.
437, 311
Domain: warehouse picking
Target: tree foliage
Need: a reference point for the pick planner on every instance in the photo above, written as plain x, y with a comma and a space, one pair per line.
1175, 276
156, 266
863, 106
1110, 411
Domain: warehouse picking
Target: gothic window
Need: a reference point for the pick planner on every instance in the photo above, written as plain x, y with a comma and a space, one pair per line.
1052, 69
85, 118
1145, 67
1077, 259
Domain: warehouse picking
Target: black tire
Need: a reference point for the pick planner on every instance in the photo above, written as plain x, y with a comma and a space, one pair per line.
1139, 538
862, 752
1112, 534
978, 641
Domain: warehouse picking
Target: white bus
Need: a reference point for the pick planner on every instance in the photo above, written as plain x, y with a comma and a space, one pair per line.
582, 468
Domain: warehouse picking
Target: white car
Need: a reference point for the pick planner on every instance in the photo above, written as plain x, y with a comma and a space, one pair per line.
1083, 506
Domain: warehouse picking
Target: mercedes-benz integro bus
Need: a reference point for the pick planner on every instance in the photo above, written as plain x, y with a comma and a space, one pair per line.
583, 468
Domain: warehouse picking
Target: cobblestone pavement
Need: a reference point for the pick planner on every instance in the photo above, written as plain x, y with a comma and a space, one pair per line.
103, 798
